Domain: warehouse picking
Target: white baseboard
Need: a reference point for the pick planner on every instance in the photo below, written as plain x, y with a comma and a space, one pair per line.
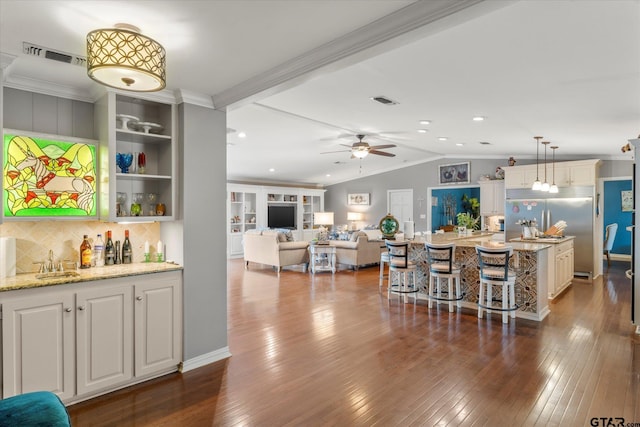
205, 359
618, 257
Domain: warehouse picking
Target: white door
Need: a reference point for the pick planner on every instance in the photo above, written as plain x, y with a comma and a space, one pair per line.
400, 205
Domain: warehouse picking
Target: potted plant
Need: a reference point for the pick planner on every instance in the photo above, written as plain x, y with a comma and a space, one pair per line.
466, 220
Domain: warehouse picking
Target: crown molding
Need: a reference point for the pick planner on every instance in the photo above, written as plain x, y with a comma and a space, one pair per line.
195, 98
6, 60
402, 26
47, 88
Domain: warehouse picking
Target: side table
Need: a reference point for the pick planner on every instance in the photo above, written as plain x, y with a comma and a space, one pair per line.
323, 258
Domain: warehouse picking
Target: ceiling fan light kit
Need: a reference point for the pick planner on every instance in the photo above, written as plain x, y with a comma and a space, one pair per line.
361, 149
123, 58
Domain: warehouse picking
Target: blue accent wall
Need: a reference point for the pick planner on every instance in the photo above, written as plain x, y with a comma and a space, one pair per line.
438, 217
612, 207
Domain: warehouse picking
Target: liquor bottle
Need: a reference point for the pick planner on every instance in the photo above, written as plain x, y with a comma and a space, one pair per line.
110, 251
127, 255
85, 253
98, 251
118, 259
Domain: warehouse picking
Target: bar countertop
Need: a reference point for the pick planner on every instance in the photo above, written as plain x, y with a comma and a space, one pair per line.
32, 280
483, 239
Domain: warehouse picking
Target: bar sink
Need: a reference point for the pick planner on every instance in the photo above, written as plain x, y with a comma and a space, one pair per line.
57, 274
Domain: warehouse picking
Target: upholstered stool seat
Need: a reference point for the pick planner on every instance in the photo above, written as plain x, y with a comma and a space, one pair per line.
442, 265
39, 408
402, 272
495, 273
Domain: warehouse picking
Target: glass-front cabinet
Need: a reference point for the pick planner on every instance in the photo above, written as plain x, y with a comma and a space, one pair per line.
137, 158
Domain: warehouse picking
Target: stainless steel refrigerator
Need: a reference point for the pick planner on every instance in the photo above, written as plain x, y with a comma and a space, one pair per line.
571, 204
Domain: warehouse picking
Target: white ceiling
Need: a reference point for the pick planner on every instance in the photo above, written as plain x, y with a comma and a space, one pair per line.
566, 70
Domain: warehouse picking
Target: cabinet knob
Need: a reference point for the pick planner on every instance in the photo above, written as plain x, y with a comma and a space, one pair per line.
81, 307
68, 310
138, 298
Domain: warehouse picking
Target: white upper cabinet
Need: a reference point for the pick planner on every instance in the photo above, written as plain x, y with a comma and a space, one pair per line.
565, 174
492, 197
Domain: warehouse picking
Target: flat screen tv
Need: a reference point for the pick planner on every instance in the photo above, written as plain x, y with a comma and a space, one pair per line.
281, 217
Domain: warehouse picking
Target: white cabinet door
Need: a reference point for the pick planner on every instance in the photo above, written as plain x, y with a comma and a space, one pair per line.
104, 325
492, 197
157, 325
38, 345
235, 245
583, 175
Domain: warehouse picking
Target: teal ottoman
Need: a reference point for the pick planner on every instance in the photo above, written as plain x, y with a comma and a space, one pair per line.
37, 409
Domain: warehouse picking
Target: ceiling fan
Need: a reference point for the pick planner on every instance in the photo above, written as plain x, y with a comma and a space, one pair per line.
361, 149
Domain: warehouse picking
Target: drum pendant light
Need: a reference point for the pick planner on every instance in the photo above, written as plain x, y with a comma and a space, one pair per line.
537, 185
123, 58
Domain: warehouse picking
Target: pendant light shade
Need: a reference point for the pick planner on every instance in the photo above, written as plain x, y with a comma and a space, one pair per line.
537, 185
123, 58
554, 188
545, 184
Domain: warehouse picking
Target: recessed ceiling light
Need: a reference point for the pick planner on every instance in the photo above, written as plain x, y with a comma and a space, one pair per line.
485, 143
459, 144
328, 175
478, 119
425, 122
442, 138
242, 135
422, 131
272, 170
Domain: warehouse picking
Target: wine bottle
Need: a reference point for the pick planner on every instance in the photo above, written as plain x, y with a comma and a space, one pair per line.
127, 255
98, 251
85, 253
110, 251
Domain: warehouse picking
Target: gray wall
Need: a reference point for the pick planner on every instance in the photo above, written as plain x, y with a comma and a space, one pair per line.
419, 178
203, 195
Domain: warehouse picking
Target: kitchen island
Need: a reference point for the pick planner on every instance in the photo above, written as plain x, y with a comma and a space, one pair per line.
530, 261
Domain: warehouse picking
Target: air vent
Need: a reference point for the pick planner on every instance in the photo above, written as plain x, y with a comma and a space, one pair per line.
384, 100
484, 143
44, 52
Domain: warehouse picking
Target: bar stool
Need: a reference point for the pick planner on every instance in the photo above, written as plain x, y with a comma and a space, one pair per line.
400, 266
441, 259
384, 258
494, 272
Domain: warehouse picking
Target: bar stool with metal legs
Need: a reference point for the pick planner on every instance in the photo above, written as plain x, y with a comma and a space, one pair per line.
441, 259
495, 273
402, 270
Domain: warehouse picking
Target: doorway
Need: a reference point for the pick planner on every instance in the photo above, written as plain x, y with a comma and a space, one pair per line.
400, 205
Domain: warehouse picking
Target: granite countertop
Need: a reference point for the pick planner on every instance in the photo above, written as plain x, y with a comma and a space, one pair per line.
480, 238
552, 240
29, 280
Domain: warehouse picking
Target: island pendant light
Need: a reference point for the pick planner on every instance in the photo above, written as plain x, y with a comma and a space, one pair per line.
537, 185
545, 184
554, 188
123, 58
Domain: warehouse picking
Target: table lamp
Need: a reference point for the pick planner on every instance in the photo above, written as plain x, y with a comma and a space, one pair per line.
353, 217
321, 219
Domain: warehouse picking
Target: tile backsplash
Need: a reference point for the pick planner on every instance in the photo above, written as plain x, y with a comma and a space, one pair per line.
34, 239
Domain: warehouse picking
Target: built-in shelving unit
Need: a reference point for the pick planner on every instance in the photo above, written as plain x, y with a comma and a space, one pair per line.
248, 208
159, 147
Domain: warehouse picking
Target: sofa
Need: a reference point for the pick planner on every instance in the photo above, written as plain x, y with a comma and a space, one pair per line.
363, 248
274, 247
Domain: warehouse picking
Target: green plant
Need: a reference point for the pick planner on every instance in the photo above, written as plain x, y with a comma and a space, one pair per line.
465, 219
471, 205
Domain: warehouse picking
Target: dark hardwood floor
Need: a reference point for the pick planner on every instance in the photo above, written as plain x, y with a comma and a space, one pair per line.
332, 351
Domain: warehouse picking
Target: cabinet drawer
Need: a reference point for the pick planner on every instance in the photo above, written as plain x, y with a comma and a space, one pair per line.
564, 246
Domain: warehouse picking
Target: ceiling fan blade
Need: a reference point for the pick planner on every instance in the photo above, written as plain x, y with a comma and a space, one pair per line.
345, 145
339, 151
375, 147
381, 153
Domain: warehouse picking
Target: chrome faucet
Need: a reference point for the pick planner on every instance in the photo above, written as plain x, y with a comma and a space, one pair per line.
50, 265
